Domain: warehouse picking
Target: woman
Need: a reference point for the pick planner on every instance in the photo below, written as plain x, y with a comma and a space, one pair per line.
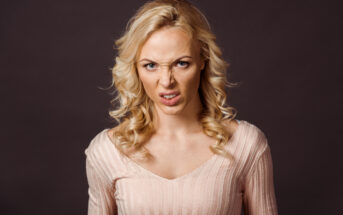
177, 148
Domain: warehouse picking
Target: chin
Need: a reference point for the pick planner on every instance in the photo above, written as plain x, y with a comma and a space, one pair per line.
172, 110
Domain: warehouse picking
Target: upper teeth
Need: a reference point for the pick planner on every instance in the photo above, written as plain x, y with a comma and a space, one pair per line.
169, 96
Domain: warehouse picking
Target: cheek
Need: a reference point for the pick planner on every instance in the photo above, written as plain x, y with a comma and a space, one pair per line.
192, 84
148, 85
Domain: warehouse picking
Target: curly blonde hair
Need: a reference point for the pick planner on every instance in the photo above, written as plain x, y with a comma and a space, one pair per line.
135, 111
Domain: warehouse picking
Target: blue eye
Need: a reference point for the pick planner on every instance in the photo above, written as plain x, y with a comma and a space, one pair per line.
183, 64
150, 66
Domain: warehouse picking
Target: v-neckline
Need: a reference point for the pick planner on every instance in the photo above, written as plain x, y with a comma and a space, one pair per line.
188, 174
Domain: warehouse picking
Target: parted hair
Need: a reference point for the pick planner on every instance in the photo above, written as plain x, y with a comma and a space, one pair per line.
133, 109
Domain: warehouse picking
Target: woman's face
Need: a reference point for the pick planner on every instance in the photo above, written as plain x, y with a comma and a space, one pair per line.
169, 67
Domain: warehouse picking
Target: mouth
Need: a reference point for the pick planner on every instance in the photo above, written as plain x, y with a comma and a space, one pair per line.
170, 99
169, 95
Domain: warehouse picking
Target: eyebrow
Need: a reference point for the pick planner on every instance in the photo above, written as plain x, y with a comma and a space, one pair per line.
186, 56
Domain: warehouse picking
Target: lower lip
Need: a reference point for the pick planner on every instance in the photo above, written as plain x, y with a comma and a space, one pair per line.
170, 102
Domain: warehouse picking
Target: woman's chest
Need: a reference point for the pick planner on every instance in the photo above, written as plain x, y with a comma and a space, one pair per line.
213, 188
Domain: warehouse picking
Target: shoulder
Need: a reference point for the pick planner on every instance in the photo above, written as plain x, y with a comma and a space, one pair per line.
255, 138
248, 142
247, 145
101, 149
101, 141
103, 155
97, 143
245, 130
253, 132
231, 125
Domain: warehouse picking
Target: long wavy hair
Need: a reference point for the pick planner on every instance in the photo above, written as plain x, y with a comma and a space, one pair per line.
135, 111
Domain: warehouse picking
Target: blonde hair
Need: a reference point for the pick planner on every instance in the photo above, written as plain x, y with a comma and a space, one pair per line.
135, 111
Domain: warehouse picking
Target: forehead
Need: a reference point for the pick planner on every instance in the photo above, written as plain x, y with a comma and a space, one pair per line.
168, 44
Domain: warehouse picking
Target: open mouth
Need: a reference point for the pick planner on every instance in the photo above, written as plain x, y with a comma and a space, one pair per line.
170, 99
169, 96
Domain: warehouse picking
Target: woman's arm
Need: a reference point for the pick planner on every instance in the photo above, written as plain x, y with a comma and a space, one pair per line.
101, 201
259, 196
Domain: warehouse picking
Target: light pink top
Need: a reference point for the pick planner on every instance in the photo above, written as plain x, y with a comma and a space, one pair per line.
118, 185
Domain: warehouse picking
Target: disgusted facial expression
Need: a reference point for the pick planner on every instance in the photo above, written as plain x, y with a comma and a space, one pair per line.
169, 66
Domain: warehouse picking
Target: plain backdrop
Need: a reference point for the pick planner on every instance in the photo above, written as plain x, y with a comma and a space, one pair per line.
56, 56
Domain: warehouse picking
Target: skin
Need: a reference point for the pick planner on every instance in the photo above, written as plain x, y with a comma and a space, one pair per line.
170, 61
179, 145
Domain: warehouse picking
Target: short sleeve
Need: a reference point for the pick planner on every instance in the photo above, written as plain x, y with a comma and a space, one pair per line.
259, 196
101, 201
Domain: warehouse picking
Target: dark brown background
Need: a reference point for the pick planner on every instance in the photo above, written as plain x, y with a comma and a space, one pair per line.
56, 55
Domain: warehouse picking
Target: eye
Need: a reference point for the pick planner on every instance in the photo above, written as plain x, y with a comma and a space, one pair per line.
182, 64
150, 66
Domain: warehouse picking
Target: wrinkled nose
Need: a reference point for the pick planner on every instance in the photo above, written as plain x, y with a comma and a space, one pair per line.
167, 78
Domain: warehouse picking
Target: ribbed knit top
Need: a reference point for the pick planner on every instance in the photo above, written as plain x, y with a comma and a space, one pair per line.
118, 185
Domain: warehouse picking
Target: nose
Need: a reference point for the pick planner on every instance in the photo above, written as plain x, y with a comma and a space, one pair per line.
167, 77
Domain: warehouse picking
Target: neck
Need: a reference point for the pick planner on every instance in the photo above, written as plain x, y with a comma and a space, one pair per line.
185, 122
